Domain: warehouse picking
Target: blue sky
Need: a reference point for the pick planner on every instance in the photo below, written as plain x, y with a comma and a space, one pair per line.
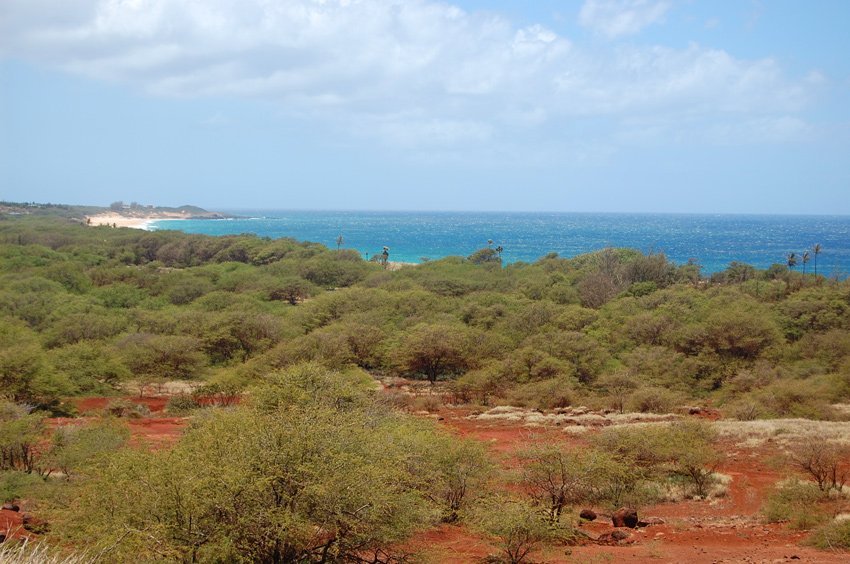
584, 105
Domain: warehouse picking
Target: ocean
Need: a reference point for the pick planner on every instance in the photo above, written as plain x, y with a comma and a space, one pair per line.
712, 240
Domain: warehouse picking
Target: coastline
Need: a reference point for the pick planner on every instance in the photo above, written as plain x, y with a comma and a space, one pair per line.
134, 222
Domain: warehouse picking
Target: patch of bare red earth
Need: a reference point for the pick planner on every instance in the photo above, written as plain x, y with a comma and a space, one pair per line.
156, 431
725, 531
12, 525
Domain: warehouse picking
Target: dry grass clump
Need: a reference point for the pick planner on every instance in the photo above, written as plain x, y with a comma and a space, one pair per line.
782, 431
576, 419
431, 403
26, 552
716, 488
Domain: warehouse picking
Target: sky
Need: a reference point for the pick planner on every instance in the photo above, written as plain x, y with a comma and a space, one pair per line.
694, 106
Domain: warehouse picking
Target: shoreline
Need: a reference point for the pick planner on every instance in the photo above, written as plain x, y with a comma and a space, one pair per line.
118, 220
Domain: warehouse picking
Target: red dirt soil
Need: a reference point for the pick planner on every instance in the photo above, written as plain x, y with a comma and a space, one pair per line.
728, 530
12, 525
95, 404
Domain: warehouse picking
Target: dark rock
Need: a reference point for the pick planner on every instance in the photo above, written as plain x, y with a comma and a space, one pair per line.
34, 524
655, 520
625, 517
619, 535
11, 507
614, 537
588, 514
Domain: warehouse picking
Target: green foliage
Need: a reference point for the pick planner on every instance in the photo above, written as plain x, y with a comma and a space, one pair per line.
433, 351
557, 478
84, 309
653, 400
77, 446
832, 536
308, 470
181, 404
25, 375
544, 394
684, 449
517, 527
162, 356
486, 255
15, 485
20, 433
795, 502
92, 368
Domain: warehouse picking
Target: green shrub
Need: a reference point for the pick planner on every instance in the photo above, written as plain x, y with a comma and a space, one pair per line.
794, 502
181, 404
653, 400
517, 527
547, 394
832, 536
684, 450
14, 485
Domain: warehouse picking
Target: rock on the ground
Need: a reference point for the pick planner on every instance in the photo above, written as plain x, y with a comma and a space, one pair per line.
588, 514
613, 537
651, 521
625, 517
11, 507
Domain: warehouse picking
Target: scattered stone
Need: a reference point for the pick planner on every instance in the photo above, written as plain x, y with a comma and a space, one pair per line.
613, 537
11, 507
625, 517
588, 514
649, 521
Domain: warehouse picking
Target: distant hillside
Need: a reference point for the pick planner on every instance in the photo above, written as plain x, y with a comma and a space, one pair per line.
127, 210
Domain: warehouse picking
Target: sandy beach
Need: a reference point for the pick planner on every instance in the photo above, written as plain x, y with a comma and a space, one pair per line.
135, 222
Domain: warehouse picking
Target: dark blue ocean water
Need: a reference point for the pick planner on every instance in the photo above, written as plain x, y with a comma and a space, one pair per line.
713, 240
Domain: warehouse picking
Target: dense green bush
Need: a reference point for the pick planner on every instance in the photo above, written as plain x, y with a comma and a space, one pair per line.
87, 310
311, 451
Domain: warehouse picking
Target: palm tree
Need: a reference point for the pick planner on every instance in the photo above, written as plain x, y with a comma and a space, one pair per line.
805, 260
816, 251
489, 243
792, 260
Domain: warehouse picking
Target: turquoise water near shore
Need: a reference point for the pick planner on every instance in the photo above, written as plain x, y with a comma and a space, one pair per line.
713, 240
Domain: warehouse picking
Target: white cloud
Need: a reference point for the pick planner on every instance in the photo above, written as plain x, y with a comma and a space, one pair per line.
615, 18
409, 72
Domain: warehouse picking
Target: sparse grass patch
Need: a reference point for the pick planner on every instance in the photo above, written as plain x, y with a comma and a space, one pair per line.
430, 403
834, 535
782, 431
796, 502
